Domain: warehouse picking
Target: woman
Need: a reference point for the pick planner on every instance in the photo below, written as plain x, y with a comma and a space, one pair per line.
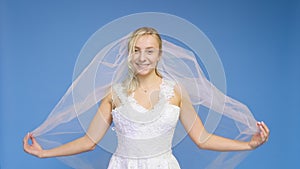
145, 108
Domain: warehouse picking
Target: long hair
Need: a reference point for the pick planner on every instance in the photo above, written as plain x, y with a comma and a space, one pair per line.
132, 82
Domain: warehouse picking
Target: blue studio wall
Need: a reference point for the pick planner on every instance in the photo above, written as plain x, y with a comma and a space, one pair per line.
257, 41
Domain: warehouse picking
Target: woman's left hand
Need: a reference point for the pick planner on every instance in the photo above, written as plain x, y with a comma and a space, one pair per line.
261, 137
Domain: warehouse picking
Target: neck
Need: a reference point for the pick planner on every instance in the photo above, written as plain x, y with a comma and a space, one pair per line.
148, 80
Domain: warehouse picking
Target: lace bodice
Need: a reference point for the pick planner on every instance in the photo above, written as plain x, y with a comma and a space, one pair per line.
144, 133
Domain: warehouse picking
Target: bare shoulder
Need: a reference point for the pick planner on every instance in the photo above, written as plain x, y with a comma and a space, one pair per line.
176, 99
177, 90
108, 98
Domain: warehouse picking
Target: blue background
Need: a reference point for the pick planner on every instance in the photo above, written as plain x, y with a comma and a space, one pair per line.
258, 43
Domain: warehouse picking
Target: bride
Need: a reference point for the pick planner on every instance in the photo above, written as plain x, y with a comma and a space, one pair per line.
145, 108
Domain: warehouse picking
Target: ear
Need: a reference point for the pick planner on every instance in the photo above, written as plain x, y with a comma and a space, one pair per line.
157, 61
159, 56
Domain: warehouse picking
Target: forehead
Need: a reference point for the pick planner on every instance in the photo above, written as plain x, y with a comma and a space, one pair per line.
146, 41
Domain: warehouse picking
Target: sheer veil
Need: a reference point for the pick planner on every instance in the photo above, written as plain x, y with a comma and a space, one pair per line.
71, 116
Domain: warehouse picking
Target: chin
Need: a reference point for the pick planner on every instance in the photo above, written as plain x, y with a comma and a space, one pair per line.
144, 72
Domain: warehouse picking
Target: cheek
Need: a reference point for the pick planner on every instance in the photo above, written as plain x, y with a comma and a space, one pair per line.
156, 59
150, 58
134, 58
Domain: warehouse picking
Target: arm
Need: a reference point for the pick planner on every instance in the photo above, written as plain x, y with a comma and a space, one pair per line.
204, 140
96, 131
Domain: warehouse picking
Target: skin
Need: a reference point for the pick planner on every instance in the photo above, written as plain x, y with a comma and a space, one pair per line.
144, 61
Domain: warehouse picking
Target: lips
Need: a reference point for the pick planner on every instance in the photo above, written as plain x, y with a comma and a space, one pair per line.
143, 65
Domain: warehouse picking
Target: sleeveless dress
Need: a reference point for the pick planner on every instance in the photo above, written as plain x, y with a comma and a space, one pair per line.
145, 136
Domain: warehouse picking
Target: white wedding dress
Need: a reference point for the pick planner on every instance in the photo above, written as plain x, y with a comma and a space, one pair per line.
144, 136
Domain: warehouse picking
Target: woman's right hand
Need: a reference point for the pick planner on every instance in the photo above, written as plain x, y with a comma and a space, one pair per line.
34, 148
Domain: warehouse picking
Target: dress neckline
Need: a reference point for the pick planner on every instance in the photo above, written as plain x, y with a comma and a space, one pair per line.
132, 111
144, 109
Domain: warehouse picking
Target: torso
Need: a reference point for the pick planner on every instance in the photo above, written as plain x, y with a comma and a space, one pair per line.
145, 133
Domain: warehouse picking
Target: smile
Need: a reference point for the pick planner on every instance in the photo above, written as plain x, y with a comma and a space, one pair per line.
142, 65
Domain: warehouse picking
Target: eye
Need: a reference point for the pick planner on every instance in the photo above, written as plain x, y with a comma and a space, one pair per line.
136, 51
149, 52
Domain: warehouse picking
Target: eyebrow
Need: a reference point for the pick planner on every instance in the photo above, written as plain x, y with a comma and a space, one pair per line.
146, 47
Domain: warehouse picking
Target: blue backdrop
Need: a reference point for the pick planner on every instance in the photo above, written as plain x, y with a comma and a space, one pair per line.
258, 43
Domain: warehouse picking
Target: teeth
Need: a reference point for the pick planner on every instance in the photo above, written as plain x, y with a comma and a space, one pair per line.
142, 64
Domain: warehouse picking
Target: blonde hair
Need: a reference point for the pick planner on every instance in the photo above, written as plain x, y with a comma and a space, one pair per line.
132, 82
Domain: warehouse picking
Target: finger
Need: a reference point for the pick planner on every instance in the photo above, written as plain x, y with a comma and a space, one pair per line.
262, 130
262, 138
26, 146
263, 134
259, 126
265, 127
25, 139
33, 139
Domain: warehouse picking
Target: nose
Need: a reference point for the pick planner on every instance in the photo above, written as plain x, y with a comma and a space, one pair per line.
142, 56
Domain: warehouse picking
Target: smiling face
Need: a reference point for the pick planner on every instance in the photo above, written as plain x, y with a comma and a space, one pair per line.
145, 55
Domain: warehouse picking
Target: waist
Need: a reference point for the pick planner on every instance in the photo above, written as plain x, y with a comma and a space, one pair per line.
136, 148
